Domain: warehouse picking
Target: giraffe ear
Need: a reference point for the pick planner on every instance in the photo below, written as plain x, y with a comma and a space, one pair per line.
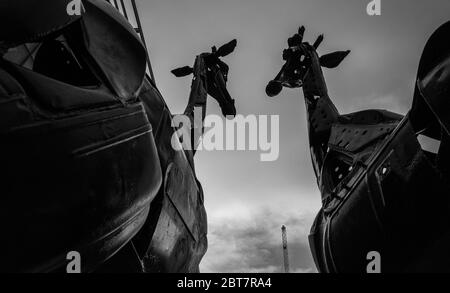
226, 49
182, 71
333, 60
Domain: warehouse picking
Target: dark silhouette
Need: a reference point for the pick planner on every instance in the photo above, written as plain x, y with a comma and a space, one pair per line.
380, 190
86, 145
210, 77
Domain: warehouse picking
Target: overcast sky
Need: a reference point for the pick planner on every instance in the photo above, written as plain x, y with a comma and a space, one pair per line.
247, 201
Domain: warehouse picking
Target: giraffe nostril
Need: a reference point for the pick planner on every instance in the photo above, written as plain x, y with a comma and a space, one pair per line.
273, 88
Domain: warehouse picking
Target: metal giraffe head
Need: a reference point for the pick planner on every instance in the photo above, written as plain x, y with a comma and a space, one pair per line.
215, 74
299, 57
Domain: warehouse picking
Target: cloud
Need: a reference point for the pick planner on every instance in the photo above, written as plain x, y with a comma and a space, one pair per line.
252, 244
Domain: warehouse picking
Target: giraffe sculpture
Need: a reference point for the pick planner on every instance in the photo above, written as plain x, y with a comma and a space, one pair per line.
384, 195
174, 237
93, 183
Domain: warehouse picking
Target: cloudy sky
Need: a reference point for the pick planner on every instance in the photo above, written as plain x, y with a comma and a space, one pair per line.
247, 200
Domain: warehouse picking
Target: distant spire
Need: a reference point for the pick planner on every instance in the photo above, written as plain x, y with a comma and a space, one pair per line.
285, 249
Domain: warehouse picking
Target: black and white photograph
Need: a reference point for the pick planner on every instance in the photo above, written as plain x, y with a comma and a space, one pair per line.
247, 139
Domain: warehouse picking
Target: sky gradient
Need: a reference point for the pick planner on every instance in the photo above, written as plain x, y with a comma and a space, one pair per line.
247, 201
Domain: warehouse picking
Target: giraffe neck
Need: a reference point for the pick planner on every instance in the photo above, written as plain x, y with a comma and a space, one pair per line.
196, 107
314, 84
321, 114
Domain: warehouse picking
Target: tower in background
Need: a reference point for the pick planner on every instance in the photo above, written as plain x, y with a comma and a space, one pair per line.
285, 249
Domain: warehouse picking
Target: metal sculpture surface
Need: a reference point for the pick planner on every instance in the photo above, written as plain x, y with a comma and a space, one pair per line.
177, 216
381, 191
86, 146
